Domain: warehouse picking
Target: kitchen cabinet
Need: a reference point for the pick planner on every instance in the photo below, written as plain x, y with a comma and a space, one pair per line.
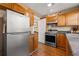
51, 19
72, 18
68, 18
61, 41
31, 42
61, 20
14, 7
7, 5
35, 40
18, 8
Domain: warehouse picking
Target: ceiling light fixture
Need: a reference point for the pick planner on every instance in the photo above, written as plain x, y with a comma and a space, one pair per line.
50, 4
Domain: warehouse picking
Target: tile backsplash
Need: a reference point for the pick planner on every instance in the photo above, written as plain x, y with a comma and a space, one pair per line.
60, 28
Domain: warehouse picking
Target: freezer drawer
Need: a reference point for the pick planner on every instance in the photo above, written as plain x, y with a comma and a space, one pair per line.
17, 44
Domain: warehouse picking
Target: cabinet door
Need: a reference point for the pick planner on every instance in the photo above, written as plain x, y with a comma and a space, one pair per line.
51, 19
14, 6
18, 8
7, 5
31, 47
71, 19
61, 41
35, 41
61, 20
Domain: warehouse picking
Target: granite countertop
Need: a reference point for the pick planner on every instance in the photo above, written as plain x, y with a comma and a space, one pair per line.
74, 43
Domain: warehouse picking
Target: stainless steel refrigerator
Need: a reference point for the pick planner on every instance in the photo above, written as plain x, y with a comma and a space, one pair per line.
18, 31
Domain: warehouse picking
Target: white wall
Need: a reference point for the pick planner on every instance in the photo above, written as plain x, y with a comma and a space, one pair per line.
41, 30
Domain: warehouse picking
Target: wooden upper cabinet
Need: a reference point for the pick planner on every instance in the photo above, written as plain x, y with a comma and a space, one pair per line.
72, 19
51, 18
7, 5
69, 18
61, 20
14, 7
19, 8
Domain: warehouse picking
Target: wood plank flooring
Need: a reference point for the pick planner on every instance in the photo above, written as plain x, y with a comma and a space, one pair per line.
45, 50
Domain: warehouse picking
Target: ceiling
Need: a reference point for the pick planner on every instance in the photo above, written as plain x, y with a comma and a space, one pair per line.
42, 9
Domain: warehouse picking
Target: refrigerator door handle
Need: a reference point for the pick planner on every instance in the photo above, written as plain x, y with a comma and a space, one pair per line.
14, 33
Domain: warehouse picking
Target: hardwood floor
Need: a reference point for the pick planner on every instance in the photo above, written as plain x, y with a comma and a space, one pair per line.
45, 50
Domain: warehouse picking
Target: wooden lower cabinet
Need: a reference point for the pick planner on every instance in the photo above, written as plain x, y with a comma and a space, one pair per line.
62, 43
33, 42
31, 48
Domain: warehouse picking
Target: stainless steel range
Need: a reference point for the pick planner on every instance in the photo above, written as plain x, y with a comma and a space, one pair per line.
50, 38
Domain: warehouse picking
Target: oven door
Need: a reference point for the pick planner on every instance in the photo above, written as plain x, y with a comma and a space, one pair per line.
50, 40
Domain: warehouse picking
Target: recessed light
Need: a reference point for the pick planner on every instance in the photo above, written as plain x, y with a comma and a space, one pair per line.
49, 5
